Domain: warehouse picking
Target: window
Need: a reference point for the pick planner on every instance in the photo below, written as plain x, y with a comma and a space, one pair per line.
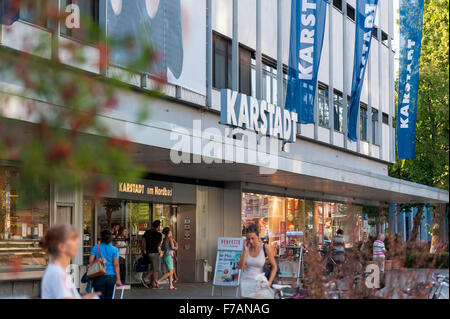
34, 12
338, 112
221, 63
245, 71
375, 127
89, 11
351, 12
363, 122
384, 38
375, 32
222, 66
269, 82
324, 112
21, 226
337, 4
385, 118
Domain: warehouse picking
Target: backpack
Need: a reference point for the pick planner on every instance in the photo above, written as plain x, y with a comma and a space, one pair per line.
268, 267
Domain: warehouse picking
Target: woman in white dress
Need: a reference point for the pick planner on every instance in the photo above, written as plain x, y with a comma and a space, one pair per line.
253, 256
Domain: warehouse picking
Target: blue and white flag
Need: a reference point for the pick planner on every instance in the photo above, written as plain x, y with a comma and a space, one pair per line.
365, 21
306, 40
9, 11
411, 21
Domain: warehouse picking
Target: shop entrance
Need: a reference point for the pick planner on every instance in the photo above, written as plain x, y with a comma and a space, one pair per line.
136, 217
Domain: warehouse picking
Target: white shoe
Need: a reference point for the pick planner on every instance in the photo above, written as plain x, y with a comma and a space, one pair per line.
143, 282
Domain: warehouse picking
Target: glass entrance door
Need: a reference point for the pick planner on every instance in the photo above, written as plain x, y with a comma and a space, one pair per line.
138, 221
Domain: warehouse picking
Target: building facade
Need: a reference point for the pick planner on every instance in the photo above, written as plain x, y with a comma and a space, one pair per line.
301, 191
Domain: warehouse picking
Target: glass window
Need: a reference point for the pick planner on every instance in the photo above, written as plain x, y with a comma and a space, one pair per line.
222, 63
350, 12
337, 4
89, 10
375, 32
253, 78
375, 127
363, 123
338, 112
384, 38
33, 11
88, 228
21, 226
245, 71
324, 112
268, 212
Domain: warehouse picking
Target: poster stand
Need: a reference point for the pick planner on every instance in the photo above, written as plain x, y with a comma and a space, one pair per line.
226, 273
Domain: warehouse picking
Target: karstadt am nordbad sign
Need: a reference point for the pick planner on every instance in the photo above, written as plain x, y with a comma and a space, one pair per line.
246, 112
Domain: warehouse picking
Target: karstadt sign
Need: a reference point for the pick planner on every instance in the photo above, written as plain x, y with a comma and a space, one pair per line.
246, 112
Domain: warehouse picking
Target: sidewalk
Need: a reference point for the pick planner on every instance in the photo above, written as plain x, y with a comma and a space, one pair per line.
203, 290
185, 291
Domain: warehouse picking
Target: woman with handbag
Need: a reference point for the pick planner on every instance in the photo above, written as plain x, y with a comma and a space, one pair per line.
104, 266
61, 243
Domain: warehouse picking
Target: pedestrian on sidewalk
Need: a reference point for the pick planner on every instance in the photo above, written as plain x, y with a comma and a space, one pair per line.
253, 257
150, 245
105, 284
61, 243
168, 247
175, 261
379, 252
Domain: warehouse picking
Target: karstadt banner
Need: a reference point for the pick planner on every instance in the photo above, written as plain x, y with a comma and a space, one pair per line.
365, 21
306, 41
411, 21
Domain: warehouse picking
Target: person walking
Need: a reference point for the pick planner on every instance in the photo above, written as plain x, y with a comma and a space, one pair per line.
338, 248
175, 261
150, 245
168, 247
115, 229
379, 252
110, 254
61, 243
121, 243
253, 257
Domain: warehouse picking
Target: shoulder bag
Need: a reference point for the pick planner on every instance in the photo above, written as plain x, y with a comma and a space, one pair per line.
98, 268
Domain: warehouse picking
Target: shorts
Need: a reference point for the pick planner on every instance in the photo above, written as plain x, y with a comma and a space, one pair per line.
154, 261
168, 260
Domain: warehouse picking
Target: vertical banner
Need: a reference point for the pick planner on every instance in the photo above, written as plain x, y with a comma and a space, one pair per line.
411, 21
365, 21
307, 31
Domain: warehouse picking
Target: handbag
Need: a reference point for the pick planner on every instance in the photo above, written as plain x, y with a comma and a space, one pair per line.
141, 266
98, 268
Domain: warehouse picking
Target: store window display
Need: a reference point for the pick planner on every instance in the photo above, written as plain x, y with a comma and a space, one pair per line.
268, 212
292, 222
21, 226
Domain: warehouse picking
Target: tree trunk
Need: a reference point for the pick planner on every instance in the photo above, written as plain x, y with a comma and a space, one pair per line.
437, 217
416, 223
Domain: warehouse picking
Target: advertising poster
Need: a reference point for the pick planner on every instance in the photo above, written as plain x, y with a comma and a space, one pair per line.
229, 251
